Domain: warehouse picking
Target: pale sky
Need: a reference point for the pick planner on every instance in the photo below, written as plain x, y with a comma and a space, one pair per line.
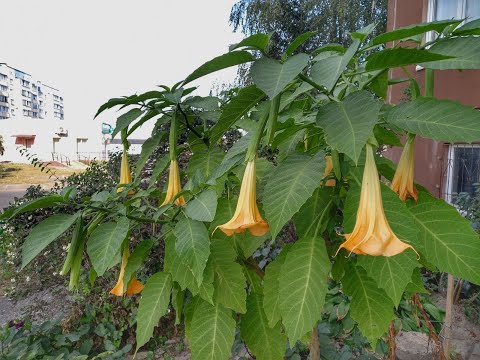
93, 50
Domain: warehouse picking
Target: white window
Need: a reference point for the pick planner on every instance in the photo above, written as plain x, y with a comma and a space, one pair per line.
463, 169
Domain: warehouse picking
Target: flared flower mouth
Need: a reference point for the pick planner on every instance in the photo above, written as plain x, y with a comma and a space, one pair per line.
174, 185
134, 287
246, 214
372, 234
402, 182
125, 174
328, 171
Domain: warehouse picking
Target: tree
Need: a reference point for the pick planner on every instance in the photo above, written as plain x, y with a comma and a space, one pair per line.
331, 19
2, 146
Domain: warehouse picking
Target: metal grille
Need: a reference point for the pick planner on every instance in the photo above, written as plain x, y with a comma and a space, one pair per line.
461, 170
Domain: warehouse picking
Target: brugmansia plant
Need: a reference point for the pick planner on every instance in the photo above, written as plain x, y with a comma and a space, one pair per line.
321, 118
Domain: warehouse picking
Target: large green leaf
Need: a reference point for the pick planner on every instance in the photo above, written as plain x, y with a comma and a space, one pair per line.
348, 124
237, 107
135, 260
326, 71
204, 161
412, 30
229, 280
152, 306
110, 104
212, 332
470, 28
297, 42
44, 233
245, 243
311, 219
264, 342
370, 306
148, 148
271, 298
105, 242
446, 239
207, 103
40, 203
303, 286
255, 41
272, 77
203, 206
192, 244
184, 275
444, 120
465, 51
160, 166
391, 273
390, 58
289, 186
220, 62
126, 119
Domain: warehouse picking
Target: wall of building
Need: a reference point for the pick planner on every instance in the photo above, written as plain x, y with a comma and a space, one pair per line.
462, 86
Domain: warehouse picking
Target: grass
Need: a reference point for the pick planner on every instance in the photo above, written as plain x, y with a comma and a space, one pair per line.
28, 174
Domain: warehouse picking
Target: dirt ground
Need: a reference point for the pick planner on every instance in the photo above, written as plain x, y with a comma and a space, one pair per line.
11, 173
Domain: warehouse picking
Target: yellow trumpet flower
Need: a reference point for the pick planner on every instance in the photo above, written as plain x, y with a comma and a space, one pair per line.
328, 171
402, 182
372, 234
125, 174
174, 185
246, 214
134, 287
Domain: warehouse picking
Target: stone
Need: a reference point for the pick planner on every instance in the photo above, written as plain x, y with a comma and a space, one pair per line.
413, 345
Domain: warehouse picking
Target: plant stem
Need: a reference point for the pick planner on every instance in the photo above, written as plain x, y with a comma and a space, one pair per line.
314, 345
447, 325
429, 82
172, 139
192, 129
255, 140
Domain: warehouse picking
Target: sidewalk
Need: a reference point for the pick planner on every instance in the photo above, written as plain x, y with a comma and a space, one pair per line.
10, 191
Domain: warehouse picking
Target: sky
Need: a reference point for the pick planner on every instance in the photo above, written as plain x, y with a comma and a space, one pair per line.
93, 50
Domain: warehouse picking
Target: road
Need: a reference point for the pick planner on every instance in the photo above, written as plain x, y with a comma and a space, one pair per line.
9, 191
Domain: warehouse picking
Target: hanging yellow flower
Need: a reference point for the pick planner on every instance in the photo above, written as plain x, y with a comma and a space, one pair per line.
125, 174
372, 234
174, 185
246, 214
402, 182
328, 171
134, 287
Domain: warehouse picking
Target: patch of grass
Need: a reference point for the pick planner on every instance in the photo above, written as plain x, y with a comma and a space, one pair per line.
28, 174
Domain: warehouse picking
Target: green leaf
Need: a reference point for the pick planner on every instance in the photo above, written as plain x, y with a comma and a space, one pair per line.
470, 28
160, 166
255, 41
272, 77
446, 239
303, 286
412, 30
264, 342
390, 58
135, 260
192, 244
312, 218
299, 40
123, 121
444, 120
178, 296
289, 186
110, 104
234, 110
45, 233
206, 103
229, 280
386, 136
220, 62
245, 243
370, 306
325, 72
105, 242
391, 273
212, 332
203, 206
416, 283
348, 124
465, 51
205, 161
40, 203
271, 298
152, 306
148, 148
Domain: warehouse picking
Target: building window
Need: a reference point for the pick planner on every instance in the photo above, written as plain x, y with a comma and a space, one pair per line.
3, 109
3, 98
25, 83
463, 169
25, 93
3, 87
453, 9
3, 77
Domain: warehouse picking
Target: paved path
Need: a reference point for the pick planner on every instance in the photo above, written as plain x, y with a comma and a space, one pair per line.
9, 191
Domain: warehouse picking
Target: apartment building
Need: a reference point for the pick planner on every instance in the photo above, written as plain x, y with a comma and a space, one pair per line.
443, 168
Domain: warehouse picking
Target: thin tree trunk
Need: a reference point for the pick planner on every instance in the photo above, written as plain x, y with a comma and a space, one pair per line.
315, 345
447, 326
391, 340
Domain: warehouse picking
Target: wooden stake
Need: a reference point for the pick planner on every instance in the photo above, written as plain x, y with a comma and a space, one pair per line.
447, 325
314, 345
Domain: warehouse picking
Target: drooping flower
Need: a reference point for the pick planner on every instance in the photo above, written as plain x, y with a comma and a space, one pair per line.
246, 214
174, 185
372, 234
328, 171
134, 287
402, 182
125, 174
